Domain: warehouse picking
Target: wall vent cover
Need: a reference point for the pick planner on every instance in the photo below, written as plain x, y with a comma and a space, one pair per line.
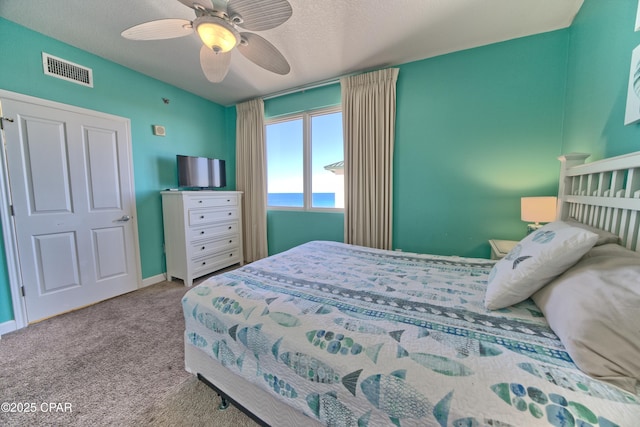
66, 70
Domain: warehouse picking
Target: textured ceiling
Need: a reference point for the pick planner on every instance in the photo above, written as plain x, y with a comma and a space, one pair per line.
322, 40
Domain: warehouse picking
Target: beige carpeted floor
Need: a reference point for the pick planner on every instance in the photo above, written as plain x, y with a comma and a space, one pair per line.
119, 362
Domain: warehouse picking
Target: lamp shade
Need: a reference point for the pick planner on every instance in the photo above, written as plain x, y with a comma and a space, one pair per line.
538, 209
216, 34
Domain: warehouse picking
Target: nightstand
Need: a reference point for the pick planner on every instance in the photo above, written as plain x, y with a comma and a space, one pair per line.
500, 248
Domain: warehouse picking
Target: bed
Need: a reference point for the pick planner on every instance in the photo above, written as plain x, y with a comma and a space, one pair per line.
334, 334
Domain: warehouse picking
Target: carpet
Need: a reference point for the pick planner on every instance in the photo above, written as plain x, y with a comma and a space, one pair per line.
118, 362
192, 403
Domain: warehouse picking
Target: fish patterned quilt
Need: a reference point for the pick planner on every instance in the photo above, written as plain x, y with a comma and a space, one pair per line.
357, 336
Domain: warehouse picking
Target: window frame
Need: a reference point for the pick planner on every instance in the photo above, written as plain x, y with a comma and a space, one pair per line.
307, 144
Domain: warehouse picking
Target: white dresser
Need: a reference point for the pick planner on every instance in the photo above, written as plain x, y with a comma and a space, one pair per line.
202, 232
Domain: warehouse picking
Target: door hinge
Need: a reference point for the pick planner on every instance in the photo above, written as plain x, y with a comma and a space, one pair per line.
13, 213
22, 290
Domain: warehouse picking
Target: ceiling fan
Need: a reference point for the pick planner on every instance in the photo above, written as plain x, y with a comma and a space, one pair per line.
219, 28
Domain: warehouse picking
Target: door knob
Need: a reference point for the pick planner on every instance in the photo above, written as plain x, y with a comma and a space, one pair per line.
124, 218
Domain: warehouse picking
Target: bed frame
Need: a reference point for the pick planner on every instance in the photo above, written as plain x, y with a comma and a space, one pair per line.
604, 194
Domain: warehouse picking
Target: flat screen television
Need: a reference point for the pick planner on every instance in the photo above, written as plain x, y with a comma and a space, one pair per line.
201, 172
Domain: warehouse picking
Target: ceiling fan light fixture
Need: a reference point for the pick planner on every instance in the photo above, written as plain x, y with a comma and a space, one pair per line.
217, 34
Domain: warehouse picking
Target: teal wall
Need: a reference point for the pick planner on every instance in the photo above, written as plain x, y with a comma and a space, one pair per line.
6, 306
286, 229
194, 126
475, 131
602, 38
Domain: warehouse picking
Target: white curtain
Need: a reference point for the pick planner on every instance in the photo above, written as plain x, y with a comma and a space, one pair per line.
369, 116
251, 177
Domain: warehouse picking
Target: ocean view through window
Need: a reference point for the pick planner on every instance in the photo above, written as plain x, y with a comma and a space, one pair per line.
305, 167
319, 200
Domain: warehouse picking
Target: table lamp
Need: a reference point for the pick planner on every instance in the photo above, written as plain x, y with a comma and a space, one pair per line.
537, 210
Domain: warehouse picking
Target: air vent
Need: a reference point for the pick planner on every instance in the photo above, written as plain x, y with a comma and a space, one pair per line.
67, 70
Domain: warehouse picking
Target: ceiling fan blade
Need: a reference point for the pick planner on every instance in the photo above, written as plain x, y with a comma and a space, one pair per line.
214, 65
192, 3
259, 15
262, 53
159, 30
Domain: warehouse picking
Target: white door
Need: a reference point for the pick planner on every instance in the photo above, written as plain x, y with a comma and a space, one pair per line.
73, 203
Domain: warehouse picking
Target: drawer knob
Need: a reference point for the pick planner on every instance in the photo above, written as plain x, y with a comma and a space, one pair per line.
199, 201
201, 216
229, 227
202, 232
229, 213
202, 248
228, 200
230, 255
203, 262
230, 241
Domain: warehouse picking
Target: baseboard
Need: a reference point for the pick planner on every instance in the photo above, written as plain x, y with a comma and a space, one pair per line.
8, 326
153, 280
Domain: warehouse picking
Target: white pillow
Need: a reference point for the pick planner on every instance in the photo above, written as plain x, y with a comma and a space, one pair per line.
604, 237
535, 261
594, 308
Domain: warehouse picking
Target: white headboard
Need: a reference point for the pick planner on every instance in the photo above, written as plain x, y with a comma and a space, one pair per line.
604, 194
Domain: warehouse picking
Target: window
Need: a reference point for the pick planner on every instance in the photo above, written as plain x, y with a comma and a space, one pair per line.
305, 167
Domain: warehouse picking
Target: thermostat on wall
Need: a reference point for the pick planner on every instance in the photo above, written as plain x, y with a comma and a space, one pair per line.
158, 130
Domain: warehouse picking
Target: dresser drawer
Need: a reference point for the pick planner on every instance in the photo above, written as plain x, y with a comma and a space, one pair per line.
206, 216
202, 232
201, 266
216, 230
210, 201
198, 250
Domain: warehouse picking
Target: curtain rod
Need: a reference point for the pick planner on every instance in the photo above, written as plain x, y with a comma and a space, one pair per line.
302, 88
315, 85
